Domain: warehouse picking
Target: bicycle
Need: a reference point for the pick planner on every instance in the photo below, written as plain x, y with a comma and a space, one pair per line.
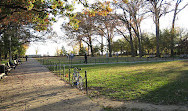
77, 79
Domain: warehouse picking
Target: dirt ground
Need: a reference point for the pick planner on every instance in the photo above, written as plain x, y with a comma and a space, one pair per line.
33, 87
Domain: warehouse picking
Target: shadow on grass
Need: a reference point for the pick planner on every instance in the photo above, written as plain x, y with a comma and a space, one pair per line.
172, 93
151, 86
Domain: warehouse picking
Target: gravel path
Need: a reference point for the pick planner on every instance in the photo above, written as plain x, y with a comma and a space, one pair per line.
33, 87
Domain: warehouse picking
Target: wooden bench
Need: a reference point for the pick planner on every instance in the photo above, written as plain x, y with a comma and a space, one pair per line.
16, 63
152, 56
183, 56
165, 56
8, 67
19, 61
2, 71
11, 65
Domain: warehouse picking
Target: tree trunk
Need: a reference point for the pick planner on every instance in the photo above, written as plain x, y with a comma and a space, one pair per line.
88, 50
109, 47
173, 31
131, 43
91, 48
102, 45
0, 55
157, 36
6, 56
139, 44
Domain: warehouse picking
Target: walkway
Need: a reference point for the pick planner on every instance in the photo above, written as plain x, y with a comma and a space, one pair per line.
32, 87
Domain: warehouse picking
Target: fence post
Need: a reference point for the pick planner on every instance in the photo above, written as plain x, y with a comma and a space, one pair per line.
63, 70
86, 82
69, 75
60, 69
54, 66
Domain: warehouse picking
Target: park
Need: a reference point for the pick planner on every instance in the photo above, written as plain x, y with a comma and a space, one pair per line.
104, 59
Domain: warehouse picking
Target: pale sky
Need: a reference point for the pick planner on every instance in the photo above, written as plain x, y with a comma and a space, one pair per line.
50, 47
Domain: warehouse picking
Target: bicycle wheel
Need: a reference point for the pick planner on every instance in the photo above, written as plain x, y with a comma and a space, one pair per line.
80, 83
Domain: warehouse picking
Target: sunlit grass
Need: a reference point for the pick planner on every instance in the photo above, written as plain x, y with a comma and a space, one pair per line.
157, 82
160, 83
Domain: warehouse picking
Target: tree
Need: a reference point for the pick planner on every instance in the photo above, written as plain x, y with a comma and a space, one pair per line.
158, 8
13, 39
105, 26
119, 46
82, 51
96, 50
176, 11
84, 32
63, 51
148, 43
131, 18
33, 12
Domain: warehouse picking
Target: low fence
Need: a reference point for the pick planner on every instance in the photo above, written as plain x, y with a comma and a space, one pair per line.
65, 72
102, 60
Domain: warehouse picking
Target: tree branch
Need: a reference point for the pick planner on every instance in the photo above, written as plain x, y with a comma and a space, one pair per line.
179, 10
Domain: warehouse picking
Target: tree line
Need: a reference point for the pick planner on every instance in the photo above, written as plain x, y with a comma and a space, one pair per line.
23, 21
95, 27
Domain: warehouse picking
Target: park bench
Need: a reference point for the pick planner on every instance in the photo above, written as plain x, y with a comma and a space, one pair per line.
16, 62
19, 61
151, 56
10, 65
166, 56
183, 56
2, 71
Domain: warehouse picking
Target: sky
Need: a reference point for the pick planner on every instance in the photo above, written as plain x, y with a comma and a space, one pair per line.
49, 47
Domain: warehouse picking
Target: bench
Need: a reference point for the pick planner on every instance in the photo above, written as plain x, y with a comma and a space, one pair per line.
16, 62
8, 67
183, 56
11, 65
19, 61
165, 56
2, 71
152, 56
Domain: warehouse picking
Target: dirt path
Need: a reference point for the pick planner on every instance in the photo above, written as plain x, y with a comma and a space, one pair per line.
32, 87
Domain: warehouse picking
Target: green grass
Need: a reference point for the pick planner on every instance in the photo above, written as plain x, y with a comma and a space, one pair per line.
156, 82
4, 61
159, 83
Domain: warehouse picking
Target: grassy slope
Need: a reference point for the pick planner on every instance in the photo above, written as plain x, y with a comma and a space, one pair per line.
159, 83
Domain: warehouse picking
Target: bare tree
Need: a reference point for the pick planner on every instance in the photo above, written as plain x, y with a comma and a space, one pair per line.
176, 11
133, 14
105, 26
158, 8
84, 32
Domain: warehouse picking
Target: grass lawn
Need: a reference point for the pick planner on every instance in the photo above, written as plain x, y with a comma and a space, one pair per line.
156, 82
4, 61
159, 83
